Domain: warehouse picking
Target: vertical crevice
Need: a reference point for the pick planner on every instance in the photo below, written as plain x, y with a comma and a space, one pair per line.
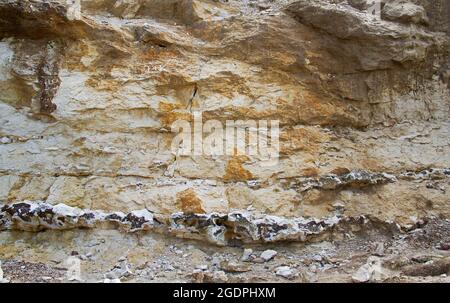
191, 99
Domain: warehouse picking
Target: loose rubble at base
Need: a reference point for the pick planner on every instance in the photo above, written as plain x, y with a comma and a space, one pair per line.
417, 255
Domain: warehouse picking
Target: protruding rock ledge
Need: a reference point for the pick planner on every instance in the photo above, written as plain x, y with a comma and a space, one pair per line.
362, 178
357, 178
220, 229
37, 216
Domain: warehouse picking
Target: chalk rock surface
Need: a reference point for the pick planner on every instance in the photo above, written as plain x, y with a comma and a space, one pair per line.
90, 89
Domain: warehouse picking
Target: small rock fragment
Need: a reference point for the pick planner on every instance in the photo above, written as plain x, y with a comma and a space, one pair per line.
5, 140
362, 275
379, 250
247, 255
202, 267
286, 272
372, 271
317, 258
405, 13
121, 270
219, 277
209, 277
215, 261
444, 246
168, 267
198, 276
230, 266
268, 255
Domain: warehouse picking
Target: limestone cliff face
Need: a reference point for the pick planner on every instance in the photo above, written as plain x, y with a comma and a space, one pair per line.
88, 95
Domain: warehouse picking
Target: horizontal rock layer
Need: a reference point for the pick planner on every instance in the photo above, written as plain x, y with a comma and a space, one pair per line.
220, 229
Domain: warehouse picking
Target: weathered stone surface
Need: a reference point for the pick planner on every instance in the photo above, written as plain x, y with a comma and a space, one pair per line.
87, 102
219, 229
88, 95
405, 12
268, 255
431, 268
190, 203
285, 272
372, 271
36, 216
234, 267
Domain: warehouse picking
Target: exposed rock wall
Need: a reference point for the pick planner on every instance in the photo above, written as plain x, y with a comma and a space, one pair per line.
87, 101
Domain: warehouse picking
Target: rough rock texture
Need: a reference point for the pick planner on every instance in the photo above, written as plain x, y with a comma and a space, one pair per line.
219, 229
143, 257
88, 95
